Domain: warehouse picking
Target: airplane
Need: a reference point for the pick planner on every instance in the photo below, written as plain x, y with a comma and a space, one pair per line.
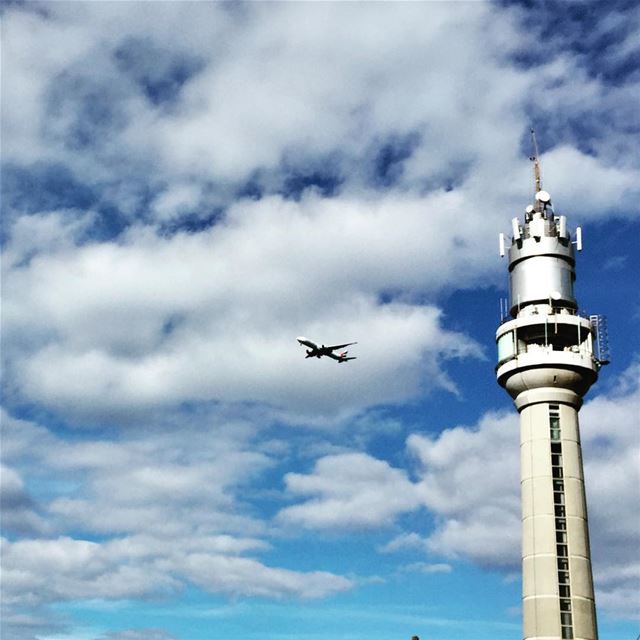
314, 351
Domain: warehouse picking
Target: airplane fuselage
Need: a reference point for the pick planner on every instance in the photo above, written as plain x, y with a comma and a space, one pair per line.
318, 353
315, 351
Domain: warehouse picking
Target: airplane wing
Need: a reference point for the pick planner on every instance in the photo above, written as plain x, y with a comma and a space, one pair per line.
340, 346
307, 343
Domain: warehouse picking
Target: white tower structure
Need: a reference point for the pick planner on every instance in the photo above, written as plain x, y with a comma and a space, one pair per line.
547, 362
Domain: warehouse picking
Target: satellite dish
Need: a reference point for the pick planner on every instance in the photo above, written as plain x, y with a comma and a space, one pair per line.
529, 209
556, 295
543, 196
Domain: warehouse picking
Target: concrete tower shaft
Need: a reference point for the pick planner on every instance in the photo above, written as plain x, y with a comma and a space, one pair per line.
546, 363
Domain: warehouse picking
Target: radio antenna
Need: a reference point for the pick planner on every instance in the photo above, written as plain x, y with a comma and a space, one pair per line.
535, 158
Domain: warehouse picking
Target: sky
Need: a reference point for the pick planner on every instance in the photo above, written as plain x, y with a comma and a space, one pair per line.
187, 187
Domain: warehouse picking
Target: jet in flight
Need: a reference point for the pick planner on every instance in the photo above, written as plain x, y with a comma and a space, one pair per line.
314, 351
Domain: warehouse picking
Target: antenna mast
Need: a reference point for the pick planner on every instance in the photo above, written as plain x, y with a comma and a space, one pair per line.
536, 162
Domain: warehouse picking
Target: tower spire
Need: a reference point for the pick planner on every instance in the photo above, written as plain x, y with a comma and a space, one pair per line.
535, 158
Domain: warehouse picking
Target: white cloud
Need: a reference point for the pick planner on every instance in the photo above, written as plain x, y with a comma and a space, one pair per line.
51, 570
19, 511
178, 199
405, 541
26, 79
138, 634
479, 511
30, 626
425, 567
469, 480
177, 494
116, 328
351, 490
64, 568
169, 509
214, 316
171, 480
580, 178
45, 233
286, 85
248, 577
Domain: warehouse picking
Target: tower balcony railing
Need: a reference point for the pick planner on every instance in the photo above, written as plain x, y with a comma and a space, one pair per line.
537, 355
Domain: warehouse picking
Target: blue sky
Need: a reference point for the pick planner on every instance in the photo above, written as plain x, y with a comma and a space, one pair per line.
187, 187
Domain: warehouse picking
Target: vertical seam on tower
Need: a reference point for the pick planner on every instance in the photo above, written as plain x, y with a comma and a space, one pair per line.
560, 517
533, 518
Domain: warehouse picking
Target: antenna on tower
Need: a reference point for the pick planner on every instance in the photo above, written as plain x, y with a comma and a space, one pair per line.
536, 161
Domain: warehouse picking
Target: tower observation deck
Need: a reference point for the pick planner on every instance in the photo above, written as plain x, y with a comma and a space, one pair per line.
546, 362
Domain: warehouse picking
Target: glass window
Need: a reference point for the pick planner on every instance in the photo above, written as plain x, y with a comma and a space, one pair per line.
556, 459
565, 604
561, 536
561, 524
563, 577
565, 618
560, 511
558, 485
565, 591
554, 422
555, 434
506, 347
556, 472
567, 632
556, 447
561, 550
563, 564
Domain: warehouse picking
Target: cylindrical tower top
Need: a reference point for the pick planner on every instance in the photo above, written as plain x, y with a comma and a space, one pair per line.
545, 353
541, 260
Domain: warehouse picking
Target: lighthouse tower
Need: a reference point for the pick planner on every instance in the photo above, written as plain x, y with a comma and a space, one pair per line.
547, 360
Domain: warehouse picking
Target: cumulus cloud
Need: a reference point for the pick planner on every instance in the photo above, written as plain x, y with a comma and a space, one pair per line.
53, 570
577, 177
168, 482
266, 94
44, 233
138, 634
166, 506
18, 509
213, 316
479, 511
247, 577
30, 625
255, 102
65, 568
405, 541
425, 567
351, 490
468, 478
